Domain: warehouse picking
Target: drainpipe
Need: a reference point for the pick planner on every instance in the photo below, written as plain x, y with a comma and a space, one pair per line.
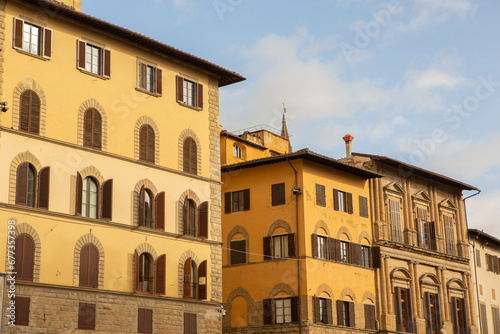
297, 191
474, 256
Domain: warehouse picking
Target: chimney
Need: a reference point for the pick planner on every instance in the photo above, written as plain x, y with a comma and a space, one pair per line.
75, 4
348, 150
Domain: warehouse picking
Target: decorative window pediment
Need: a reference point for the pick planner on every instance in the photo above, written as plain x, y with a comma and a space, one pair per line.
421, 197
394, 189
447, 205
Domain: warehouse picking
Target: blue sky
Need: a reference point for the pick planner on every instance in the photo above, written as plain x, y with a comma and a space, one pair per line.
417, 80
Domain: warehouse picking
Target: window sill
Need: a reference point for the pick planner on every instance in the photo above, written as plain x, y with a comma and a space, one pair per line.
32, 55
145, 91
94, 75
189, 106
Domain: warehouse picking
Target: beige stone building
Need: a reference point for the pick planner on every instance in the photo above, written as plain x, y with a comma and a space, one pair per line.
110, 177
424, 284
485, 264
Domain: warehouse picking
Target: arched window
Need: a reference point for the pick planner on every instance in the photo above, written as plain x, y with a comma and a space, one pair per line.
190, 279
145, 273
147, 144
195, 219
89, 266
89, 197
237, 151
25, 184
190, 157
29, 118
92, 129
190, 217
146, 208
24, 257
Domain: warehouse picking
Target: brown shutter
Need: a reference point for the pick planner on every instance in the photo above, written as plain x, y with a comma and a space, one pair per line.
28, 258
350, 208
22, 184
356, 254
370, 316
190, 158
238, 251
376, 257
79, 186
87, 128
148, 321
331, 249
107, 199
202, 278
187, 318
495, 264
320, 195
159, 88
93, 267
291, 245
267, 248
338, 255
352, 317
18, 33
47, 43
199, 96
267, 305
432, 234
143, 141
246, 199
466, 318
314, 243
34, 113
187, 278
22, 311
43, 188
160, 211
203, 220
180, 88
340, 312
140, 320
84, 266
136, 271
141, 207
81, 52
185, 215
317, 318
438, 313
97, 130
335, 199
106, 63
454, 314
294, 306
24, 117
329, 311
278, 194
143, 77
192, 324
160, 267
411, 325
427, 308
82, 316
151, 145
91, 314
227, 202
399, 312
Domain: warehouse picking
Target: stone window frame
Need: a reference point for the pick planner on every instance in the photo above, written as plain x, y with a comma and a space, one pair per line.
394, 191
180, 269
147, 184
28, 83
27, 229
182, 137
143, 120
92, 104
190, 195
82, 241
18, 160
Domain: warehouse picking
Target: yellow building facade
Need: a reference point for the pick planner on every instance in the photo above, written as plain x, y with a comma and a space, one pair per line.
110, 171
298, 254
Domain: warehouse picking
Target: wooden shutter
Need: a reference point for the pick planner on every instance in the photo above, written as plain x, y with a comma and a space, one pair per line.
160, 211
43, 188
340, 312
143, 143
199, 96
87, 127
246, 199
160, 267
363, 206
320, 195
34, 113
227, 202
438, 312
18, 33
180, 88
84, 266
338, 254
22, 184
314, 243
278, 194
432, 235
24, 115
81, 52
294, 306
24, 257
465, 330
93, 266
495, 264
454, 314
96, 130
336, 204
107, 199
399, 311
411, 326
47, 43
203, 220
185, 215
356, 254
136, 271
79, 189
331, 249
159, 88
141, 320
376, 257
143, 76
291, 245
151, 145
106, 63
329, 311
267, 248
370, 316
317, 315
267, 305
148, 321
352, 317
428, 318
190, 158
22, 311
141, 207
238, 251
350, 208
82, 316
187, 278
202, 280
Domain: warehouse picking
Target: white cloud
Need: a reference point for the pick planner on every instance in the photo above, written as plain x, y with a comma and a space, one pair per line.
433, 78
482, 212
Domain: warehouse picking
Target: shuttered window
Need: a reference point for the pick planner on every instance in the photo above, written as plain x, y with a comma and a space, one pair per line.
365, 256
202, 281
24, 257
89, 266
145, 320
160, 279
145, 273
189, 217
342, 201
33, 39
25, 184
427, 236
449, 233
495, 312
459, 316
190, 156
22, 309
322, 310
478, 258
147, 144
278, 194
146, 208
237, 201
149, 78
484, 319
29, 116
238, 249
395, 215
86, 316
92, 129
189, 93
345, 313
203, 220
370, 318
320, 195
433, 313
190, 279
345, 255
93, 59
280, 246
363, 206
404, 311
190, 326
